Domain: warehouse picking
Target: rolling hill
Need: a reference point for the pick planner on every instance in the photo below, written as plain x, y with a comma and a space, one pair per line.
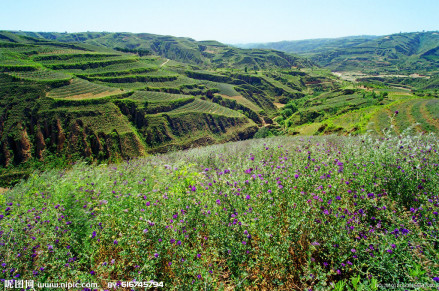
62, 101
205, 54
311, 46
416, 52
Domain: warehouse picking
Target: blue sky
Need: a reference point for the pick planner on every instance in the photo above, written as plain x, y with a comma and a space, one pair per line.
229, 21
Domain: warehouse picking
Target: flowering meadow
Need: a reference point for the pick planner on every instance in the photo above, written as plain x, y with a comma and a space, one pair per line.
284, 213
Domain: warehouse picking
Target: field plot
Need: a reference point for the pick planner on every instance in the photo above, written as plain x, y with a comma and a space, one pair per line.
244, 101
404, 119
174, 84
91, 64
420, 115
224, 88
206, 107
41, 75
118, 67
81, 89
9, 58
355, 118
329, 105
153, 97
278, 84
181, 80
431, 109
308, 129
341, 101
58, 51
160, 72
26, 49
74, 58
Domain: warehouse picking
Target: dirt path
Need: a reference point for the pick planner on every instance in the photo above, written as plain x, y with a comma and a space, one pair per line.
3, 190
167, 60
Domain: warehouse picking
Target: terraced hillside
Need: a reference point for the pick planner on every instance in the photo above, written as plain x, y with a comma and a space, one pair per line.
79, 89
402, 53
62, 101
201, 53
399, 112
311, 46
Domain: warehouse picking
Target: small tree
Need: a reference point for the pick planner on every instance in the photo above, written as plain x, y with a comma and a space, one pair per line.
287, 112
292, 106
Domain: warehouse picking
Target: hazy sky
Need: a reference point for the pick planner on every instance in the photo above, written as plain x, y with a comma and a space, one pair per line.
229, 21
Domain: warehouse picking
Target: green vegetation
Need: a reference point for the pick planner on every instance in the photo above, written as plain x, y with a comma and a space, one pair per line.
114, 96
205, 53
62, 102
402, 53
80, 89
280, 213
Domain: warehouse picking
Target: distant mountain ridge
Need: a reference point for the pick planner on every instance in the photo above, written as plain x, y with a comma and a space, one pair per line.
205, 54
396, 53
310, 46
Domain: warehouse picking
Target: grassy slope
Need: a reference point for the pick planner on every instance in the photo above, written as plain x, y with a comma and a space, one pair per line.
280, 213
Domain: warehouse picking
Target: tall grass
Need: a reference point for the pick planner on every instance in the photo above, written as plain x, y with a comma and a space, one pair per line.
283, 213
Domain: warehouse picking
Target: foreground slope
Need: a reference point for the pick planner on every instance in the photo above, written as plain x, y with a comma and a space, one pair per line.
284, 213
